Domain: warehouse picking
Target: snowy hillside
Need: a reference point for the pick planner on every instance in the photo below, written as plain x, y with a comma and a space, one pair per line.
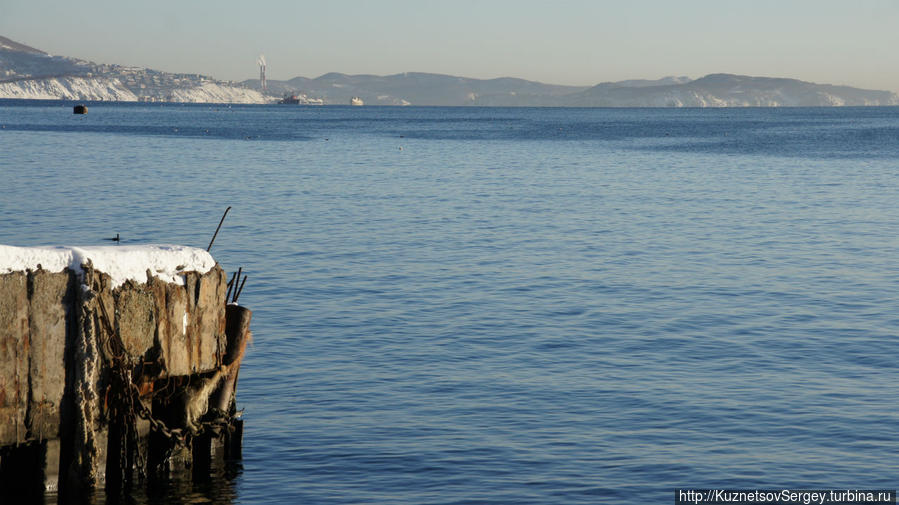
67, 88
29, 73
211, 92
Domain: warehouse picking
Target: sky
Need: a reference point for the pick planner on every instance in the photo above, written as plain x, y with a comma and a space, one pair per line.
576, 42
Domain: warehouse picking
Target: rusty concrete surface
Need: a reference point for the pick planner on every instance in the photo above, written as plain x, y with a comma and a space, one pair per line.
181, 329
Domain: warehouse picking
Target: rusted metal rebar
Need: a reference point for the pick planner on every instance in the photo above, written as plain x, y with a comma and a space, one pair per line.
231, 284
236, 282
237, 295
218, 228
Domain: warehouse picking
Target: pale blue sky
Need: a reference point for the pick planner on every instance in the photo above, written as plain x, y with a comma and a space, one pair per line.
564, 41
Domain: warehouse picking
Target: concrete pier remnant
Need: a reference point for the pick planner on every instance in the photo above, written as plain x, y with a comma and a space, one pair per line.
104, 380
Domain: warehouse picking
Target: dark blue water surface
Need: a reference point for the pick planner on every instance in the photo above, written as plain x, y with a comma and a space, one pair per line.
513, 306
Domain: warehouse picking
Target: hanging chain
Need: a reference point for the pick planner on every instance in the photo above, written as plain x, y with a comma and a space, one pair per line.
132, 404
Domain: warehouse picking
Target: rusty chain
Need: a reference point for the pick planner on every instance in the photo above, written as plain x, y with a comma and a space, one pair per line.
180, 436
219, 420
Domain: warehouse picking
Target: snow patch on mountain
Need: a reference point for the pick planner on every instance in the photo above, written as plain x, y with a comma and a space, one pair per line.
67, 88
216, 93
112, 89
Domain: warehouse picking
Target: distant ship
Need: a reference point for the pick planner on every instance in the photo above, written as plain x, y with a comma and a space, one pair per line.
356, 101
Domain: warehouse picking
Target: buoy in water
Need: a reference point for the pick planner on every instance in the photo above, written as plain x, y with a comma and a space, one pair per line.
80, 109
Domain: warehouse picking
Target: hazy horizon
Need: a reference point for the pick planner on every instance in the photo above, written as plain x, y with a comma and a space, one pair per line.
575, 42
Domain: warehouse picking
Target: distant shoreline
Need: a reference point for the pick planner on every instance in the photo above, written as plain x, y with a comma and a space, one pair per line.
71, 102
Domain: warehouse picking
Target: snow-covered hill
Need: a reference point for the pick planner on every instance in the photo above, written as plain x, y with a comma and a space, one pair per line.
211, 92
29, 73
67, 88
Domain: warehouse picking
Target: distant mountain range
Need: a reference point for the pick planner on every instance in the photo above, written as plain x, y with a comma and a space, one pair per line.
727, 90
26, 72
716, 90
414, 88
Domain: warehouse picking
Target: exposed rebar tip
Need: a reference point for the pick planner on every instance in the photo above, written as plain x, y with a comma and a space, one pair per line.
218, 228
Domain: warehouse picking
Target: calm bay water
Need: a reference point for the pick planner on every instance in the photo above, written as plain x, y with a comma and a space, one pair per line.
477, 305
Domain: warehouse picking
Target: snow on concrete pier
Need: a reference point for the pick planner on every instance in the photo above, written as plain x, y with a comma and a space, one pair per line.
115, 361
121, 263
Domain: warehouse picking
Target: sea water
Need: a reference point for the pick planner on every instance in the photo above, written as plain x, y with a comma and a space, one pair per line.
512, 306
